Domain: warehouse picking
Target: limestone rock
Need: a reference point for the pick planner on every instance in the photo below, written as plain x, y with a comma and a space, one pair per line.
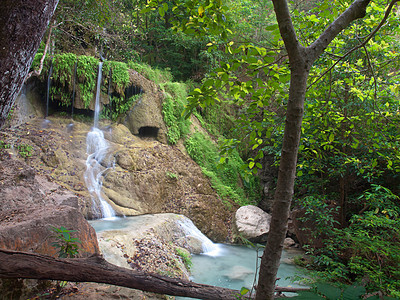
288, 242
238, 273
252, 223
31, 230
145, 237
145, 117
31, 204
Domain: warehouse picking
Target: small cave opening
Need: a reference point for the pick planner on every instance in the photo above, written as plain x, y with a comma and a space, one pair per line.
133, 90
148, 131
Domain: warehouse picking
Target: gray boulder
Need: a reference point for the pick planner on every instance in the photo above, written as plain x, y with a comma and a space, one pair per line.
252, 223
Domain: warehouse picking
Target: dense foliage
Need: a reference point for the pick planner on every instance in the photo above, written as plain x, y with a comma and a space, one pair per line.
350, 139
349, 160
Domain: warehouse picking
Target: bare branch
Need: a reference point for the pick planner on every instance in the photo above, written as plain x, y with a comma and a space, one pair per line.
39, 71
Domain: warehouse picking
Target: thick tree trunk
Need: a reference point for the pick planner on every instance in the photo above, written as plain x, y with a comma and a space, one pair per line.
300, 61
22, 25
15, 264
285, 185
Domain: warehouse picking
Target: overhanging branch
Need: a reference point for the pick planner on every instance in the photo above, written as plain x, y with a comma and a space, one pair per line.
361, 45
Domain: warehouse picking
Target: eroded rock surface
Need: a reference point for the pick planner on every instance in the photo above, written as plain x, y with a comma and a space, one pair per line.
31, 204
148, 177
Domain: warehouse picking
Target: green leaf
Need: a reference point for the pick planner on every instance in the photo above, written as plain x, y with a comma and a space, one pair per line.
353, 292
330, 291
244, 291
307, 296
201, 11
161, 11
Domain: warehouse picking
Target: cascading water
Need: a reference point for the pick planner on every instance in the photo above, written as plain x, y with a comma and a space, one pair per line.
48, 88
71, 125
97, 149
46, 122
209, 248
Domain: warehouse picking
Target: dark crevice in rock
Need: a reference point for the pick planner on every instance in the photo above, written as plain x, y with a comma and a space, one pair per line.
148, 131
133, 90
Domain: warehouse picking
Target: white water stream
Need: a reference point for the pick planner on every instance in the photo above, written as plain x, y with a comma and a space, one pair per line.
97, 149
229, 266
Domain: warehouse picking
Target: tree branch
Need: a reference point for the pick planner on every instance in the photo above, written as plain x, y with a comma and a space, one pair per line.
361, 45
16, 264
286, 29
37, 72
355, 11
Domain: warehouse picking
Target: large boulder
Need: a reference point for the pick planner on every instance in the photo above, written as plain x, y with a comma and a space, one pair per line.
151, 243
31, 230
31, 205
145, 116
252, 223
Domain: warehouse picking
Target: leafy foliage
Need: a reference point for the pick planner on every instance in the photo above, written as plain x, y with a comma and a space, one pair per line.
67, 246
228, 179
173, 106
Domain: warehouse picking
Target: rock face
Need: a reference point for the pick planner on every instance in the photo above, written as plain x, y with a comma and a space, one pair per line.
145, 117
148, 177
30, 205
252, 223
150, 242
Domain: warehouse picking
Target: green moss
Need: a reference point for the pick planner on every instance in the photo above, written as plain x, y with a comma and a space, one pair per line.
186, 257
228, 179
156, 75
173, 107
87, 71
119, 75
118, 106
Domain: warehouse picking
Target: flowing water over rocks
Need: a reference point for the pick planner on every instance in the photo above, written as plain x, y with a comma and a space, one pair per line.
97, 150
129, 241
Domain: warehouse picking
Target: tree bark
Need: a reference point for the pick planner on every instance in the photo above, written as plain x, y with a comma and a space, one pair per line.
300, 62
22, 25
16, 264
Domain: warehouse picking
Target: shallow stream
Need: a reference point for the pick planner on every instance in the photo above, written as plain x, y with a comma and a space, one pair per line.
230, 266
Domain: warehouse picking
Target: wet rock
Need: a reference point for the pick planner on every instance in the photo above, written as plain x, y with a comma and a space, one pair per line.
149, 243
238, 273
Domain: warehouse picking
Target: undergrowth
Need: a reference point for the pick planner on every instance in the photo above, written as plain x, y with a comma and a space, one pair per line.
173, 107
228, 179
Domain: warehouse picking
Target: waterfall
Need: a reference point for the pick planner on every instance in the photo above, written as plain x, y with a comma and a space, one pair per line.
48, 88
73, 90
97, 149
70, 126
209, 248
46, 122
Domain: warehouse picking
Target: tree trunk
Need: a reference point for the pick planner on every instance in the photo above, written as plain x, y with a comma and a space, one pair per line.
300, 62
22, 25
285, 185
16, 264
